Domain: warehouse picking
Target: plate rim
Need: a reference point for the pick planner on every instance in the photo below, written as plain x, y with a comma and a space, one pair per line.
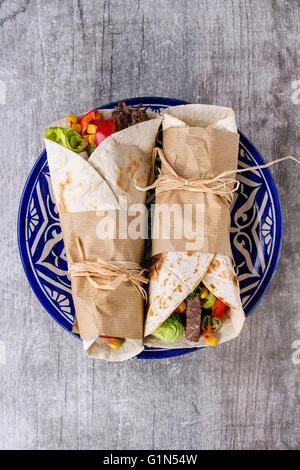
148, 353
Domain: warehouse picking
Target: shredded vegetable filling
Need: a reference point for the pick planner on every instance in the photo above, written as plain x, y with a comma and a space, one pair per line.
199, 314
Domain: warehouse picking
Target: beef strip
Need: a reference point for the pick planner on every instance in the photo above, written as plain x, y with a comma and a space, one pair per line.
193, 319
138, 115
121, 120
125, 117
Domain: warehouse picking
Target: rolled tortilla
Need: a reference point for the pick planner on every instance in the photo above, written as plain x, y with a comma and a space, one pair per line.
82, 184
174, 275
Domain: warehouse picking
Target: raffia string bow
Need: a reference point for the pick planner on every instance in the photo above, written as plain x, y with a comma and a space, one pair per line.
221, 185
114, 273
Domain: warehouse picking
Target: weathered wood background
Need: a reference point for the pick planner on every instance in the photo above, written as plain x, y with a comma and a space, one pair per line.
61, 56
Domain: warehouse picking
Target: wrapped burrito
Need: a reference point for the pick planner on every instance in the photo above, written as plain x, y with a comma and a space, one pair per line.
194, 297
92, 161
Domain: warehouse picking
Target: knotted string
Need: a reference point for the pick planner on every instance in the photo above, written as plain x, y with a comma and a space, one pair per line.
220, 185
115, 272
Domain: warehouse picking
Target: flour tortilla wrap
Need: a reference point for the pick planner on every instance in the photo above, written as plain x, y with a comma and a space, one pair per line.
174, 275
82, 184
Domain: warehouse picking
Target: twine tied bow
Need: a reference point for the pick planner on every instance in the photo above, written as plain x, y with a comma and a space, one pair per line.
115, 273
221, 185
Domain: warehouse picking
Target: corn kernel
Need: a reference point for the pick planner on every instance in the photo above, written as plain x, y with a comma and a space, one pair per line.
114, 343
91, 128
181, 308
76, 127
86, 138
71, 119
91, 139
211, 341
204, 293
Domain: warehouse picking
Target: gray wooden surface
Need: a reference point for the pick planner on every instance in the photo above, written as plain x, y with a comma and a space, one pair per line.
61, 56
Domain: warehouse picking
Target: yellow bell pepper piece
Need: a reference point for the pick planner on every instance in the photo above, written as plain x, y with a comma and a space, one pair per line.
76, 127
114, 343
181, 307
91, 128
204, 293
72, 119
91, 139
211, 341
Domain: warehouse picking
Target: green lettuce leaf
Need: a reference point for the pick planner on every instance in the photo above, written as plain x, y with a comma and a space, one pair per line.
170, 330
66, 137
91, 149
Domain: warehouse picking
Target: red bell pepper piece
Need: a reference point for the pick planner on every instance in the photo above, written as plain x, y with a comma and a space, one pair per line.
91, 117
205, 326
105, 129
218, 309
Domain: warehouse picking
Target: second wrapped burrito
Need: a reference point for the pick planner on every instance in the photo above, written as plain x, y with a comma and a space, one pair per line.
194, 295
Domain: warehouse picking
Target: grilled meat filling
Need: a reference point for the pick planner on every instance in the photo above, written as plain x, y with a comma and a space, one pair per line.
125, 117
193, 319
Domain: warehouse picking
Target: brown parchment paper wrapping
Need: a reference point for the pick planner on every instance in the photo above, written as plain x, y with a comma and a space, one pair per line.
117, 312
196, 153
203, 153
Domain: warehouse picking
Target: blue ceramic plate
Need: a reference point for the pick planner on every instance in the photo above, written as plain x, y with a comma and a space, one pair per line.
256, 233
